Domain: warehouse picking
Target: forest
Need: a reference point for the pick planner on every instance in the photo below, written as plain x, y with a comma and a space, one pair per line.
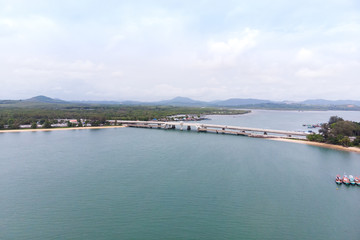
12, 116
339, 132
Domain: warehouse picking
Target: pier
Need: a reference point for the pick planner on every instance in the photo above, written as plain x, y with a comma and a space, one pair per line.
214, 128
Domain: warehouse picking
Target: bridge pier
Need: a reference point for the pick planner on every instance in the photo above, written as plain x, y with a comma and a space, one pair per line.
188, 128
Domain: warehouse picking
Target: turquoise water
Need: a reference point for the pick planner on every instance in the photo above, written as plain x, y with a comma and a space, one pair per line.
163, 184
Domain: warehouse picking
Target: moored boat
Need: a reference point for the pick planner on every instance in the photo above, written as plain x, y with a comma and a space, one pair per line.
357, 181
338, 179
352, 179
346, 180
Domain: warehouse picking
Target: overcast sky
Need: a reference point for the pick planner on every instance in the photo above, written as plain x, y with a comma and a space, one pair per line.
205, 50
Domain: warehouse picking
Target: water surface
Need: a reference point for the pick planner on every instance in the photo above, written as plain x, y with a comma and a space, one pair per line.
133, 183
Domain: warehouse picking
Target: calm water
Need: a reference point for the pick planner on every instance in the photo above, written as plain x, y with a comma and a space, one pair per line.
164, 184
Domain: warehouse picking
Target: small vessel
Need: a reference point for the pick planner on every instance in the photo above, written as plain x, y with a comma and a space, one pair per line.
357, 181
338, 179
346, 180
352, 179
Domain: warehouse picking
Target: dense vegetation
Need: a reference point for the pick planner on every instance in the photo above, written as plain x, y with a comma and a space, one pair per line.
47, 113
338, 131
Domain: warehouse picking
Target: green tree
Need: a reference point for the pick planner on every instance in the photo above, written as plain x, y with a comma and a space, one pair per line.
15, 125
34, 125
334, 119
324, 130
10, 121
345, 128
356, 142
345, 141
47, 124
315, 137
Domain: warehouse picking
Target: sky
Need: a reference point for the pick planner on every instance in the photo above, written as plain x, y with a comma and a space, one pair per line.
154, 50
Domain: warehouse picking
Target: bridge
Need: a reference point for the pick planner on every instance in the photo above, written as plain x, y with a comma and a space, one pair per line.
224, 129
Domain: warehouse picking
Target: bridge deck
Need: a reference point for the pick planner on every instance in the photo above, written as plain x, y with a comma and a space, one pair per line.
212, 127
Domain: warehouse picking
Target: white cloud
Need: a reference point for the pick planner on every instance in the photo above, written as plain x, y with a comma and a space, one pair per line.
33, 23
234, 46
314, 73
304, 54
114, 41
158, 50
117, 74
225, 53
352, 27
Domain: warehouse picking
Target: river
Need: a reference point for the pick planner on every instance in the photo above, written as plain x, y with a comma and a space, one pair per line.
129, 183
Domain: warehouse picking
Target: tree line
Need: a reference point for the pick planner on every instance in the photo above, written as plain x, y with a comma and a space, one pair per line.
13, 117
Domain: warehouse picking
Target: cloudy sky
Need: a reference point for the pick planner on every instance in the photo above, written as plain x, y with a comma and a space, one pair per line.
205, 50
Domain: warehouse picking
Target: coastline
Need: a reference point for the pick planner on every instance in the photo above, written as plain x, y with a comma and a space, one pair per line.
57, 129
325, 145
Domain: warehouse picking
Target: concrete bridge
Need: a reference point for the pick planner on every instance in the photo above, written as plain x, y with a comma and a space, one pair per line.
245, 131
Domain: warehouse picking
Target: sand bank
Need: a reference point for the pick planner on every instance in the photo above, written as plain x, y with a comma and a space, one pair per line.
325, 145
56, 129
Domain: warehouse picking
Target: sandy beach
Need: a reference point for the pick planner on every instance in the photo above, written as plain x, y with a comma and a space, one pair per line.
56, 129
325, 145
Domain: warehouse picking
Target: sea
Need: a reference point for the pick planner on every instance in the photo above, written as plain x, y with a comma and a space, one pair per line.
132, 183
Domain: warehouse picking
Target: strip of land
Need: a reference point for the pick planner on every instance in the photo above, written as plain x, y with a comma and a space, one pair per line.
57, 129
325, 145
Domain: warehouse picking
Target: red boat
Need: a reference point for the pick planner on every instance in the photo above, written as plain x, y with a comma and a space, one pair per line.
338, 179
346, 180
357, 181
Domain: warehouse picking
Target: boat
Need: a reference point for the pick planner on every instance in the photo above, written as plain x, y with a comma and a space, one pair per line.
352, 179
338, 179
346, 180
357, 181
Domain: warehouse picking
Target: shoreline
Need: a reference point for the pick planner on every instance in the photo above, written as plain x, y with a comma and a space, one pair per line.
325, 145
57, 129
317, 144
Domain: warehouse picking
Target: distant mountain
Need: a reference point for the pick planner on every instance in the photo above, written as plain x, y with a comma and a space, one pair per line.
324, 102
181, 101
240, 102
44, 99
97, 102
250, 103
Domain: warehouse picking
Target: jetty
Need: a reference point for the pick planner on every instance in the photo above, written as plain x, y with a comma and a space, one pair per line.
215, 128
